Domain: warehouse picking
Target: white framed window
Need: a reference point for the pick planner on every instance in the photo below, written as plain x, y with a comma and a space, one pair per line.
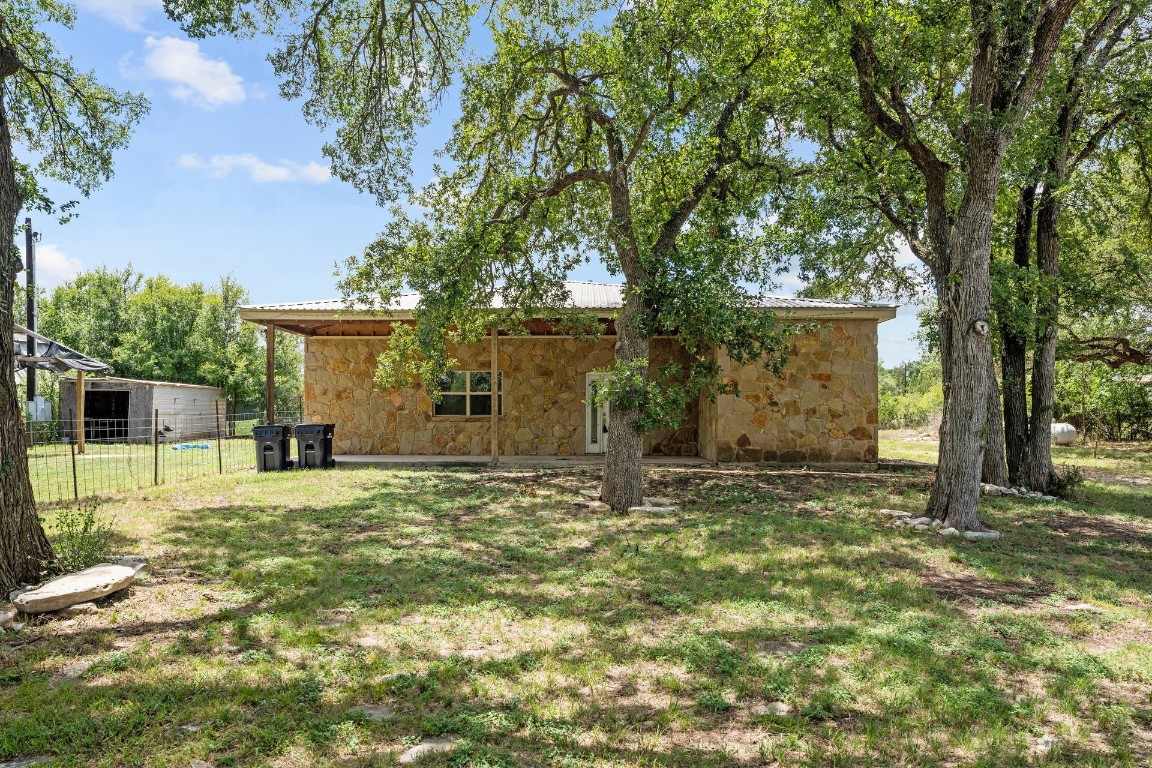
469, 393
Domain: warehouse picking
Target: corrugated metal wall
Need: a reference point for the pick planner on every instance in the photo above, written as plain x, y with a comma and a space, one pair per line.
190, 412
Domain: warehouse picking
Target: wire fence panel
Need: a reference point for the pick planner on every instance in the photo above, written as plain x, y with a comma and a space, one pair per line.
119, 455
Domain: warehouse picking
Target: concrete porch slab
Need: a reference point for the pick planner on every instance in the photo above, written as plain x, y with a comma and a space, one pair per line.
509, 461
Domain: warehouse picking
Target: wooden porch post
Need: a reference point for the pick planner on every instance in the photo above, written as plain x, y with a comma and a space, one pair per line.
496, 395
79, 411
270, 373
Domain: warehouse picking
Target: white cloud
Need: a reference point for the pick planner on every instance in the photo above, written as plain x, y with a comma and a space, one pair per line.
191, 75
259, 171
904, 255
54, 267
129, 14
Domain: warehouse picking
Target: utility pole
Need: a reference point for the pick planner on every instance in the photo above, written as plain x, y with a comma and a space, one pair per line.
30, 238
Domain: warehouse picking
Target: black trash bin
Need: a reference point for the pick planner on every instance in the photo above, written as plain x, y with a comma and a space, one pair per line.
272, 448
314, 446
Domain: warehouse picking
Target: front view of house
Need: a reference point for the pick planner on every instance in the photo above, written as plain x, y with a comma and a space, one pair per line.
536, 398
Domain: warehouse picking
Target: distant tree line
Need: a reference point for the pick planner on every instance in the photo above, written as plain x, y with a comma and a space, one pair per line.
158, 329
911, 394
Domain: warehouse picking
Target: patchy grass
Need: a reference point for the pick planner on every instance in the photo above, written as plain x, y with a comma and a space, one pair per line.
478, 603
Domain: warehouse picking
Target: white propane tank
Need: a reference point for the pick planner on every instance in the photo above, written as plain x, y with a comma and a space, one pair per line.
1063, 434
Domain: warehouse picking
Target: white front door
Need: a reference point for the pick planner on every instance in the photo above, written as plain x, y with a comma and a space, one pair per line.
595, 416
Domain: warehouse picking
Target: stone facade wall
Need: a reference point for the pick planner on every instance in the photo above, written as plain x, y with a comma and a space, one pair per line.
544, 391
821, 409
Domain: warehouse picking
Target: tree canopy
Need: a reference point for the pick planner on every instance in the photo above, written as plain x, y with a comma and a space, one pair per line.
154, 328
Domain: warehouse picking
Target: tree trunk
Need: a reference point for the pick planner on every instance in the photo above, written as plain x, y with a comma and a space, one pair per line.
964, 297
994, 470
1014, 346
24, 548
1037, 472
623, 485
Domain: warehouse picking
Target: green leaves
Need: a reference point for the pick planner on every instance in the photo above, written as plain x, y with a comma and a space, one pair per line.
154, 328
64, 121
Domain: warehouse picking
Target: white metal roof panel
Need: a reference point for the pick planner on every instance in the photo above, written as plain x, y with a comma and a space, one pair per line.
585, 295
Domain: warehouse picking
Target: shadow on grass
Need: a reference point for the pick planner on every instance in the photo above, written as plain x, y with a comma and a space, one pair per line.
752, 558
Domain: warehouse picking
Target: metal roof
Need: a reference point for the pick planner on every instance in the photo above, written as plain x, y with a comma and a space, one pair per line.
147, 382
585, 295
51, 355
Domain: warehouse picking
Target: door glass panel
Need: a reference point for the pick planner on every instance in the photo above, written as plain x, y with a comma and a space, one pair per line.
593, 415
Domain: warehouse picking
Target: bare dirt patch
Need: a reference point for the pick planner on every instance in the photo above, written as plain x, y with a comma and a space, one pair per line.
969, 588
1109, 529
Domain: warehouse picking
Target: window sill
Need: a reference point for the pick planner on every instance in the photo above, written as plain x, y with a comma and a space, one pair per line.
462, 418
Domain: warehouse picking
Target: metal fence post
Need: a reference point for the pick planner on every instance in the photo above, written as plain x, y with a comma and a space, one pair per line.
72, 445
156, 447
219, 446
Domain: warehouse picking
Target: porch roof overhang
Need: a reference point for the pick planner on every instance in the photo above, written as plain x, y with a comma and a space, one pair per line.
51, 355
312, 318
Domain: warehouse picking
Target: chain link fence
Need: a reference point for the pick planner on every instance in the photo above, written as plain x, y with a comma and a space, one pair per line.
127, 454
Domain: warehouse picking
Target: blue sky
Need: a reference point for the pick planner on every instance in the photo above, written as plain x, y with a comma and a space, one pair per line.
225, 177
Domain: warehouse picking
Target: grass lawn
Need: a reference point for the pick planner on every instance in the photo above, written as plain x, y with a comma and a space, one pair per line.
1111, 458
105, 469
478, 604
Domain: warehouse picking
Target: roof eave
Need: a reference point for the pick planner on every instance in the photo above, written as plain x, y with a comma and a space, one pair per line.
273, 316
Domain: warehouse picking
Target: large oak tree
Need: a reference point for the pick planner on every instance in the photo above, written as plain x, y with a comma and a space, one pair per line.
914, 108
60, 123
642, 136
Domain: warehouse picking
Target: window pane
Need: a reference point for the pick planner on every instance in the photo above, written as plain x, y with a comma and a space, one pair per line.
452, 405
481, 405
500, 403
454, 381
481, 381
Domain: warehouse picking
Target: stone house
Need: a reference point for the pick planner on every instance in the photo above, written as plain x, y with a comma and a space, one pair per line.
821, 409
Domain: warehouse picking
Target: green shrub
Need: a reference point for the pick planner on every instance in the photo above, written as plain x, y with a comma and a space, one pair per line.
1066, 485
81, 537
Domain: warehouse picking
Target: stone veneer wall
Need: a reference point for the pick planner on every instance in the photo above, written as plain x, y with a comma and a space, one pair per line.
544, 390
822, 408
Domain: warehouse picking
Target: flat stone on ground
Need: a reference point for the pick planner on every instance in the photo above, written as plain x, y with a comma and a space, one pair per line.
75, 670
774, 708
138, 563
653, 510
80, 587
981, 535
592, 505
782, 647
1076, 607
895, 513
80, 609
26, 762
373, 711
428, 747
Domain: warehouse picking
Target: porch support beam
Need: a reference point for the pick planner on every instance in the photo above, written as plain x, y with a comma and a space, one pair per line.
496, 395
270, 373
